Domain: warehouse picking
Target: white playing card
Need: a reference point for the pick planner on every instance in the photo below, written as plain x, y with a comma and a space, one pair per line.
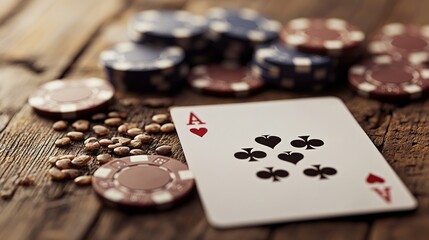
268, 162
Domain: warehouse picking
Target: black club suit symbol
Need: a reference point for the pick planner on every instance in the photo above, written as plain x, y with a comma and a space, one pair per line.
271, 173
306, 142
321, 172
249, 154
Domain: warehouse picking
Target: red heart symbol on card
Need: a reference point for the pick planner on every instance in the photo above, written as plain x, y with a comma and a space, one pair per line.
199, 131
374, 179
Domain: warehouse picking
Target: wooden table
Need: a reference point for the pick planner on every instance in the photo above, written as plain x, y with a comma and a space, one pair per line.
42, 40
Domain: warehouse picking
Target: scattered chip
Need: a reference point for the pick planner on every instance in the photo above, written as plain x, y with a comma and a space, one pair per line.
330, 36
226, 79
69, 99
401, 40
143, 182
276, 57
386, 79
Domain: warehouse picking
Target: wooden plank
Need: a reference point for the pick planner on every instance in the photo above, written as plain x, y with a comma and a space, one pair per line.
329, 229
46, 210
406, 146
39, 42
406, 149
9, 8
71, 211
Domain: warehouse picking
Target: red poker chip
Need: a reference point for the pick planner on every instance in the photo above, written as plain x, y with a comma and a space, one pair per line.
224, 79
326, 36
385, 79
401, 40
143, 182
69, 99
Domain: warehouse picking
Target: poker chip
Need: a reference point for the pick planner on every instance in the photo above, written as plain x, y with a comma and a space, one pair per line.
277, 57
297, 82
330, 36
383, 78
128, 56
244, 24
143, 182
401, 40
167, 24
69, 99
224, 79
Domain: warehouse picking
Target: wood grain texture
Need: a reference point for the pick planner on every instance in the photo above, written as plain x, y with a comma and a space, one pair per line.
42, 40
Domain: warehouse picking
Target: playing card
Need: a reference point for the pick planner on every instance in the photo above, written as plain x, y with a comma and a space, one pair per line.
276, 161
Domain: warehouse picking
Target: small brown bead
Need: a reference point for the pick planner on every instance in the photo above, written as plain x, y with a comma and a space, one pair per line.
63, 164
118, 115
98, 117
62, 142
135, 144
158, 102
83, 180
69, 156
75, 136
113, 122
100, 130
160, 118
152, 128
113, 114
113, 146
92, 146
25, 181
168, 128
81, 160
60, 125
163, 150
137, 152
105, 142
104, 158
127, 102
134, 132
121, 140
52, 160
122, 151
71, 173
81, 125
123, 129
144, 138
91, 139
57, 174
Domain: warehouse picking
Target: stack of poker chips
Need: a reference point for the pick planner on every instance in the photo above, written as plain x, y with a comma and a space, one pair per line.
310, 54
163, 45
172, 28
144, 68
288, 69
235, 33
397, 70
